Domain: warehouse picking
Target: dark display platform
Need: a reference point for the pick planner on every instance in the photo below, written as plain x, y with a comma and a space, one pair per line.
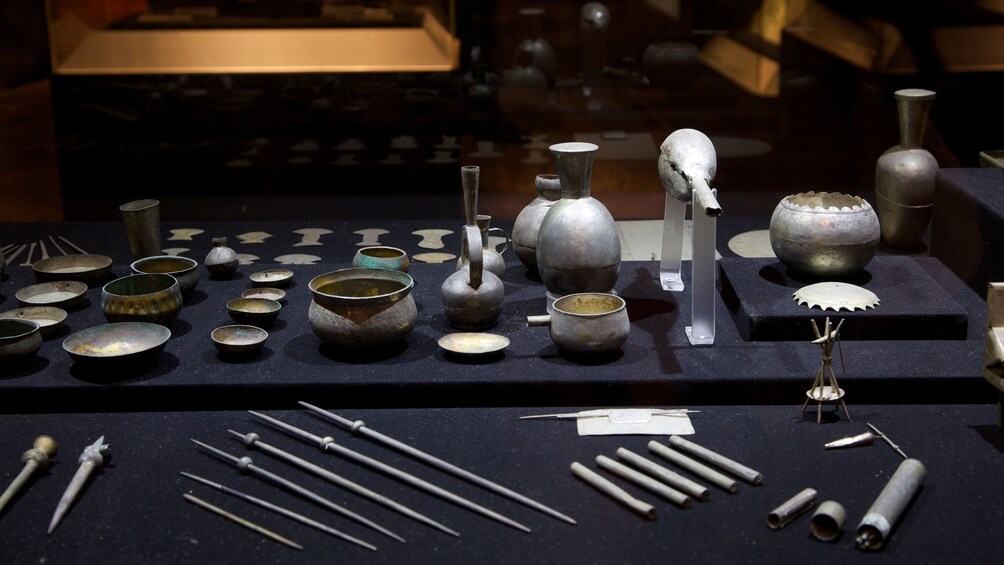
133, 510
758, 293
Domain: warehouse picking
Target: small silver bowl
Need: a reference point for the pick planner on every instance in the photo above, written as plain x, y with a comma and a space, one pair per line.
19, 339
182, 268
61, 294
260, 312
49, 318
88, 269
276, 294
239, 339
119, 344
151, 297
275, 278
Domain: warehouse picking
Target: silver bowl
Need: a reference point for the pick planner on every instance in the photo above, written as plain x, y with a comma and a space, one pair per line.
182, 268
360, 307
117, 344
88, 269
239, 339
152, 298
824, 234
60, 294
276, 278
260, 312
276, 294
18, 339
49, 318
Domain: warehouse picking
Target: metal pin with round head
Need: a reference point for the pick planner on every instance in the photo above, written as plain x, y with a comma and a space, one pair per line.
42, 450
93, 457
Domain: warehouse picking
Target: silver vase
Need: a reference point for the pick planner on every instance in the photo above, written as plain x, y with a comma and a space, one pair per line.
904, 175
524, 231
578, 247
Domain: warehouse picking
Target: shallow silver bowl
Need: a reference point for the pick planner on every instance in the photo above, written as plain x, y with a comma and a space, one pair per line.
239, 339
119, 343
88, 269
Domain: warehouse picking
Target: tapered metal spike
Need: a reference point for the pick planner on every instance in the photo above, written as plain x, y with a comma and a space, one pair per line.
243, 522
91, 458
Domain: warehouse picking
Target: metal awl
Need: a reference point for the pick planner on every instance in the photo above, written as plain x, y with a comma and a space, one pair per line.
93, 457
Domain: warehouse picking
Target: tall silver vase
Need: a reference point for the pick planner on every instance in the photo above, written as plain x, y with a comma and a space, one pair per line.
904, 175
578, 247
524, 231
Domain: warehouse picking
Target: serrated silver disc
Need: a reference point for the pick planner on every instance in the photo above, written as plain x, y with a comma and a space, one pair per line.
836, 296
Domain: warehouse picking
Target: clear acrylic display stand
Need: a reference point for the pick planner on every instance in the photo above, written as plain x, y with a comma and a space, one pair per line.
673, 226
702, 280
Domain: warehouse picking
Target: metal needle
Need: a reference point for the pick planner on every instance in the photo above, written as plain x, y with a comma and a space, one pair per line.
91, 458
253, 441
53, 240
31, 251
37, 457
886, 439
15, 254
73, 245
328, 444
279, 510
246, 465
358, 427
243, 522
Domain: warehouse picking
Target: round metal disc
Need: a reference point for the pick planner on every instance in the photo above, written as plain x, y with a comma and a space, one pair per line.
470, 343
836, 296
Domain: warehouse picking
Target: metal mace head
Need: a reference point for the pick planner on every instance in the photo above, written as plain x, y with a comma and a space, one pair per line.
688, 162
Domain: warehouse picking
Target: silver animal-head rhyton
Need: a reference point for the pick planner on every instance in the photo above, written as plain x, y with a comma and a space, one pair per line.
687, 165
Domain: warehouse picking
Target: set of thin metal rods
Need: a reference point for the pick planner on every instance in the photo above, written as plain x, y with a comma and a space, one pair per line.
12, 251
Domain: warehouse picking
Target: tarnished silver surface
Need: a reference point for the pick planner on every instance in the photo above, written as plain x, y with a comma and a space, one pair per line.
19, 339
473, 343
362, 307
358, 427
61, 294
221, 261
473, 296
185, 270
671, 478
43, 449
728, 465
827, 521
276, 278
524, 231
590, 322
615, 492
491, 258
699, 469
866, 438
241, 521
905, 174
154, 297
791, 509
687, 165
87, 269
93, 457
239, 339
836, 296
276, 294
142, 225
382, 257
889, 506
644, 481
578, 245
261, 312
824, 234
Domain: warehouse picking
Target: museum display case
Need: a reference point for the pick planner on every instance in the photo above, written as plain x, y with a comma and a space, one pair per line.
345, 177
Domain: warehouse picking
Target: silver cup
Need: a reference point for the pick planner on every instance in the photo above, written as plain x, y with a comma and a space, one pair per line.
142, 223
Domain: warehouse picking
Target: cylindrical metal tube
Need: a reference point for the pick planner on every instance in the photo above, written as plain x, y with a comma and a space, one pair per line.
791, 509
697, 468
889, 506
612, 490
728, 465
827, 521
671, 478
644, 481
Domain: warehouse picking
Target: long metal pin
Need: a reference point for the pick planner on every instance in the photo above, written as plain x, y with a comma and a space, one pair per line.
92, 457
280, 510
42, 249
53, 240
243, 522
31, 251
253, 441
695, 467
358, 427
593, 479
718, 460
13, 256
42, 450
577, 415
73, 245
328, 444
246, 465
886, 439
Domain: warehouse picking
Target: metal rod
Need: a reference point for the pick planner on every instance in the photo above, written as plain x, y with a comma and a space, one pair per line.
42, 450
695, 467
73, 245
280, 510
253, 441
31, 251
671, 478
359, 428
53, 240
791, 509
644, 481
243, 522
576, 415
42, 249
14, 255
328, 444
91, 458
886, 439
613, 491
890, 504
718, 460
246, 465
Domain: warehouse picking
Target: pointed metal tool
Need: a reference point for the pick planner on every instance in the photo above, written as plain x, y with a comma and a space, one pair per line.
242, 521
886, 439
73, 245
93, 457
359, 428
246, 465
328, 444
253, 441
43, 449
866, 438
53, 240
280, 510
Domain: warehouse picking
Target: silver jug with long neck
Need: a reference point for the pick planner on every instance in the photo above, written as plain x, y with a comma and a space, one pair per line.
473, 296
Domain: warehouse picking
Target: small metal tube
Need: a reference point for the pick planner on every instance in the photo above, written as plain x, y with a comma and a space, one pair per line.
827, 521
671, 478
697, 468
791, 509
718, 460
889, 506
613, 491
644, 481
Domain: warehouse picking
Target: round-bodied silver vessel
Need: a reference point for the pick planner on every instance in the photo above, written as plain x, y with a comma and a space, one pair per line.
185, 270
362, 307
589, 322
524, 230
824, 234
154, 298
19, 338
